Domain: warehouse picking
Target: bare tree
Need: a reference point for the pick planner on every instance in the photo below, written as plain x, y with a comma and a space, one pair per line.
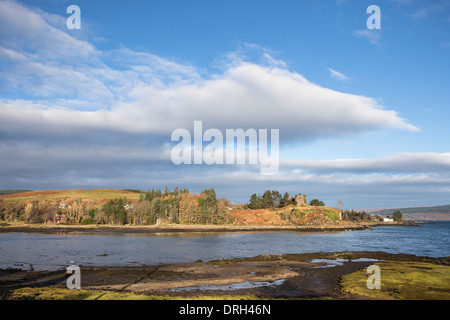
340, 204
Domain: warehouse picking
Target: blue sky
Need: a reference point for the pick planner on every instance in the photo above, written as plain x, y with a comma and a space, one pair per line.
363, 114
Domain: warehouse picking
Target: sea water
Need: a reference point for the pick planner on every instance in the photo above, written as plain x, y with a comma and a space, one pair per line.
55, 251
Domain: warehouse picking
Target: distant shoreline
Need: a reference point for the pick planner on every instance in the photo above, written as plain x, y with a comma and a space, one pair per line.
46, 228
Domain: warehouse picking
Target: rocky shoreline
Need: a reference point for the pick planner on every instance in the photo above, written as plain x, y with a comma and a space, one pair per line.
45, 228
61, 228
284, 276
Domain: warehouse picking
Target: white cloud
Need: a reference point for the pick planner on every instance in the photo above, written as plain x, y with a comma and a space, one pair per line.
427, 9
404, 162
247, 96
23, 29
136, 92
338, 75
372, 35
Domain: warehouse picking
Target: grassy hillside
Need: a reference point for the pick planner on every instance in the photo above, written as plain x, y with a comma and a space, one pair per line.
97, 194
291, 215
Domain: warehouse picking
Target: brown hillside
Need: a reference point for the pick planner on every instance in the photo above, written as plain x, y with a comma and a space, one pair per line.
292, 215
257, 217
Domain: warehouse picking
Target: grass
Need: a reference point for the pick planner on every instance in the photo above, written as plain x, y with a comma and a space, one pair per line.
403, 280
331, 214
66, 294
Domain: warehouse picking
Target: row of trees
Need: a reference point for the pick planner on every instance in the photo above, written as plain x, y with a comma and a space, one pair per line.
150, 195
273, 199
36, 211
270, 199
352, 215
316, 203
177, 206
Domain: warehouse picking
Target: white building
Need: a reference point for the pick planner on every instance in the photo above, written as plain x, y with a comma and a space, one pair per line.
387, 219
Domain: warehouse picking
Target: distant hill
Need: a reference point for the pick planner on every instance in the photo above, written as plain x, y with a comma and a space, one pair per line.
418, 213
12, 191
97, 194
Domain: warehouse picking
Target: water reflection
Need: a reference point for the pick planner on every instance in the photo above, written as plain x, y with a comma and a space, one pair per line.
231, 286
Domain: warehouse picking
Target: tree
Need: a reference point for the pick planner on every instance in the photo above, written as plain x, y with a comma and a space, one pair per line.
286, 200
208, 205
352, 215
253, 203
141, 214
115, 210
93, 212
397, 215
156, 207
340, 204
223, 215
316, 203
148, 196
267, 200
276, 199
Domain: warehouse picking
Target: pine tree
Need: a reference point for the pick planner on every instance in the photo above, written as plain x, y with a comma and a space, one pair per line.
267, 200
286, 200
253, 203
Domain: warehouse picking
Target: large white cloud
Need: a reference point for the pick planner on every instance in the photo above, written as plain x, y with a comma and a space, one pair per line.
247, 96
139, 92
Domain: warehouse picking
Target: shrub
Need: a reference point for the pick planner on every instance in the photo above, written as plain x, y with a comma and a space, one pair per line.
86, 221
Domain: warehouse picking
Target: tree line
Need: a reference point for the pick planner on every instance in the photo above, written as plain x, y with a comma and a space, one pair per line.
270, 199
156, 206
352, 215
178, 206
273, 199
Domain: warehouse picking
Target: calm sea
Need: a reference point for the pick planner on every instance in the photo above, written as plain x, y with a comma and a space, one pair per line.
50, 252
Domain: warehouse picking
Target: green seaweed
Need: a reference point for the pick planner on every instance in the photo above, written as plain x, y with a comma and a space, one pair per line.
402, 280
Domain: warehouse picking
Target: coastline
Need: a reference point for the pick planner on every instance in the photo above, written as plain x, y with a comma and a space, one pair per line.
46, 228
178, 228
